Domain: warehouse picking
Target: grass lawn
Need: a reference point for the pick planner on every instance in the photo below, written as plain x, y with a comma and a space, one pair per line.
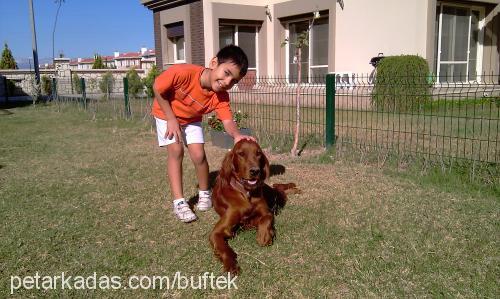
81, 196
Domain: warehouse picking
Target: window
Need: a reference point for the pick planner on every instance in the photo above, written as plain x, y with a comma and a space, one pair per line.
244, 36
179, 55
175, 33
458, 40
314, 56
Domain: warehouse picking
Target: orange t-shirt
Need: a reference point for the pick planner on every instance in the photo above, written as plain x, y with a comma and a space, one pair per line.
180, 85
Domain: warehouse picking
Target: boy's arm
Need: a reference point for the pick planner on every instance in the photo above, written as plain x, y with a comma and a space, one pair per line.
173, 128
233, 131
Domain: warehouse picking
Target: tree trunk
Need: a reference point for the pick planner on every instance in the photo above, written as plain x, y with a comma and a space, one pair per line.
297, 99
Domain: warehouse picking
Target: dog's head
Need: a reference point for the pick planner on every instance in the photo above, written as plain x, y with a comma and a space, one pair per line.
247, 163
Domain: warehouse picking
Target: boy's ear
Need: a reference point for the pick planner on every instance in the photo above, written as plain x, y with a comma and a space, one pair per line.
213, 63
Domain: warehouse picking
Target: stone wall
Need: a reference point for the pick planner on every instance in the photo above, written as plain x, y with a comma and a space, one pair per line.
23, 78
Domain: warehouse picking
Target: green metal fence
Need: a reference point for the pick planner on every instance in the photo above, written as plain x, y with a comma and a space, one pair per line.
446, 120
452, 120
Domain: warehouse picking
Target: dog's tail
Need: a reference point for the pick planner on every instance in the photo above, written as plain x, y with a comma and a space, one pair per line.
289, 188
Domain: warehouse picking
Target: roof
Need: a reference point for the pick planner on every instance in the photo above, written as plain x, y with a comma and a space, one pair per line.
129, 55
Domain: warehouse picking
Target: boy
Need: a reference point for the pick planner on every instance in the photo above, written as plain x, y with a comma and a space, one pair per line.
183, 93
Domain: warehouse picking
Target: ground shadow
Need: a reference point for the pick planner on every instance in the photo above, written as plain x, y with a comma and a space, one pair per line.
13, 103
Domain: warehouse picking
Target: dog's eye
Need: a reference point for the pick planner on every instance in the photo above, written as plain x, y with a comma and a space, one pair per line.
258, 154
241, 154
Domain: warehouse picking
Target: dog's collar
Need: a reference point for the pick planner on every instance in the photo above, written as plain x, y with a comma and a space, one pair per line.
238, 186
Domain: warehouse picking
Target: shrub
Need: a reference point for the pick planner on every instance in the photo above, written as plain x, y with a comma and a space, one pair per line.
401, 83
106, 84
150, 80
46, 85
77, 84
11, 87
135, 85
216, 124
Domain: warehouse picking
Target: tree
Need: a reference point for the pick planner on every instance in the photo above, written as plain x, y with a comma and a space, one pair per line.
301, 42
77, 84
98, 64
46, 85
150, 80
135, 85
7, 62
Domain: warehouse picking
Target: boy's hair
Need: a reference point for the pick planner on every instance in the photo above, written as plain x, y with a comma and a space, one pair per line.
234, 54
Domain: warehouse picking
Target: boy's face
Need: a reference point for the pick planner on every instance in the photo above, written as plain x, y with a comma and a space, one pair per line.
224, 75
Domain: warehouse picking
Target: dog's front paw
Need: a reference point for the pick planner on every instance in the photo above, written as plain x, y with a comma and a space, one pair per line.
232, 268
265, 237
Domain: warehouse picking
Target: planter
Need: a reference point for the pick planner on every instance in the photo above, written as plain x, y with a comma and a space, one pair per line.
222, 139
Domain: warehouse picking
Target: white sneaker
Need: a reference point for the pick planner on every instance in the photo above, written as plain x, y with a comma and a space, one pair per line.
204, 201
183, 212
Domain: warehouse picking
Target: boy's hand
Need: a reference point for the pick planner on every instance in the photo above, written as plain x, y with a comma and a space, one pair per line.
173, 130
247, 137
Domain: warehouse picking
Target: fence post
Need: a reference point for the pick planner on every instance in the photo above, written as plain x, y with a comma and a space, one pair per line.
6, 87
54, 89
84, 93
330, 110
125, 93
71, 82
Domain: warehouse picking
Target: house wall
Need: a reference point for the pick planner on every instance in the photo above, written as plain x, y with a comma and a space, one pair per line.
157, 37
217, 11
365, 27
357, 33
173, 15
271, 56
491, 51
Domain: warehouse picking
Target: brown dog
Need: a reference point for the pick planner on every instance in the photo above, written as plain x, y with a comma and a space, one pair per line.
242, 199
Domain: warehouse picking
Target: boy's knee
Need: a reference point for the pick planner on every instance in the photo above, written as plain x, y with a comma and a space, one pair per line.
198, 157
176, 152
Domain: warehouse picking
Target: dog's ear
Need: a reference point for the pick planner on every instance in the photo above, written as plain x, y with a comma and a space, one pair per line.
227, 167
265, 166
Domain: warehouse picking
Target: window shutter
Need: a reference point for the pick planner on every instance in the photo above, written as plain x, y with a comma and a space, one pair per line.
175, 30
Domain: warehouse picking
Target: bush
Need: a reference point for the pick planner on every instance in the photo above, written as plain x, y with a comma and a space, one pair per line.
135, 85
12, 89
77, 84
46, 85
106, 84
150, 80
401, 83
216, 124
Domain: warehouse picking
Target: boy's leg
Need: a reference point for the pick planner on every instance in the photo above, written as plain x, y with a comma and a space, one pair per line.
175, 153
196, 148
174, 168
197, 154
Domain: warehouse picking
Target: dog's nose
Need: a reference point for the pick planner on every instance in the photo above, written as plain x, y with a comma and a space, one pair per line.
254, 171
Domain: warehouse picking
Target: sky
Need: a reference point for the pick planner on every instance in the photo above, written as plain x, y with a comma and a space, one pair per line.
84, 27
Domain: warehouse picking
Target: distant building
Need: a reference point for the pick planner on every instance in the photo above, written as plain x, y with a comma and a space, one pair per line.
144, 59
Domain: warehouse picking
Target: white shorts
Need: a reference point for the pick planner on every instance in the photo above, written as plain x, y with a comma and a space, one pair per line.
191, 133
